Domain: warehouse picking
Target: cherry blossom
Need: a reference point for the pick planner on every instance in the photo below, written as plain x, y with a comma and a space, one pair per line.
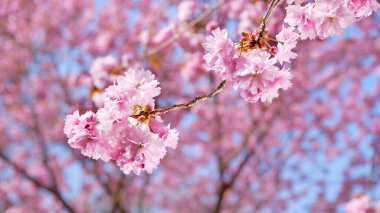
302, 17
86, 128
332, 17
364, 7
258, 78
83, 134
220, 53
123, 130
361, 204
288, 39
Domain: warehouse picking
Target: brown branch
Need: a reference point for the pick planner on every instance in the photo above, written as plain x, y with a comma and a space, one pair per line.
374, 161
191, 103
117, 198
142, 194
273, 4
22, 171
36, 182
224, 187
97, 176
228, 184
43, 145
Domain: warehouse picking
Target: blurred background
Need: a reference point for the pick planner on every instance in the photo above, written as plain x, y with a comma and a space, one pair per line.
313, 149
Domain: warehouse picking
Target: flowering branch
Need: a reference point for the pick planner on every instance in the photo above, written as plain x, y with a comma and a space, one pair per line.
145, 113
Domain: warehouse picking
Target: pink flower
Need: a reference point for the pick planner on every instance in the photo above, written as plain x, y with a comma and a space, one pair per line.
220, 53
258, 79
164, 33
119, 131
249, 15
377, 207
137, 86
289, 39
100, 69
194, 66
364, 7
142, 150
303, 19
170, 136
211, 25
17, 209
358, 205
332, 17
186, 9
83, 135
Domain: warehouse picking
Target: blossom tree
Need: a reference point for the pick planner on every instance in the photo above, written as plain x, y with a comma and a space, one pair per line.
190, 106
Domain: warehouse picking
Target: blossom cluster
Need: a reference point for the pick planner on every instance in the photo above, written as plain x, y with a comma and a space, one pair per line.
362, 204
104, 71
253, 64
125, 129
325, 18
254, 73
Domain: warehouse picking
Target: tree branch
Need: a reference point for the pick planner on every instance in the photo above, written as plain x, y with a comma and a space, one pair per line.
222, 191
43, 145
221, 86
189, 104
117, 199
36, 182
142, 194
273, 4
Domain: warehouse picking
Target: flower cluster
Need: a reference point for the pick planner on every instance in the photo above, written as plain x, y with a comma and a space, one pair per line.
125, 129
288, 40
257, 77
250, 67
362, 204
326, 18
220, 53
104, 71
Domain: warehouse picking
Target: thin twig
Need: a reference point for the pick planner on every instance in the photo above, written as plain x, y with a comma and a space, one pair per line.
177, 36
273, 4
372, 176
192, 102
43, 145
